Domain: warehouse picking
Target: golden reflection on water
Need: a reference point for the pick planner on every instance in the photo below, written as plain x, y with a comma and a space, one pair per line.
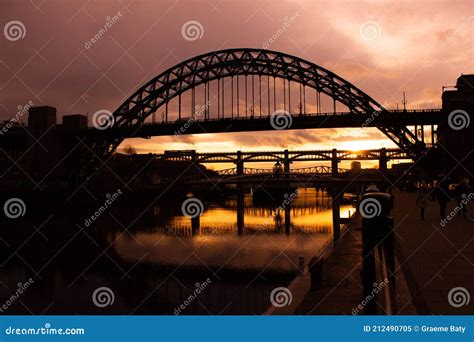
223, 220
264, 241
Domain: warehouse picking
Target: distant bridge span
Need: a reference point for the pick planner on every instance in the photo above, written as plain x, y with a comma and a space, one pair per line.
314, 170
285, 158
284, 155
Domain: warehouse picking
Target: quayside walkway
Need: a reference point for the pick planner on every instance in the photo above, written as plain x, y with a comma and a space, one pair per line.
432, 260
436, 257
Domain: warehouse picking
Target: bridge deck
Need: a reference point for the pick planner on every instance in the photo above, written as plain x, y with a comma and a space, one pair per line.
226, 123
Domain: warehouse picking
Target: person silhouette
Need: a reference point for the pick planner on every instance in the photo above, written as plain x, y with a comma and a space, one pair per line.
461, 193
441, 194
421, 199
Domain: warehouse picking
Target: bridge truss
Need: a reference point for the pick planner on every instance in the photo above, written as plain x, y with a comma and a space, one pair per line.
235, 64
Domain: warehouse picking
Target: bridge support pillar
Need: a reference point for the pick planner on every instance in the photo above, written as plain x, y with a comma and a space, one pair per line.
286, 162
240, 210
334, 163
383, 160
195, 225
240, 195
239, 163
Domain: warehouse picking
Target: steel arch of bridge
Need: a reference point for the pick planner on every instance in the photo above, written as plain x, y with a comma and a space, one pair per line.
240, 62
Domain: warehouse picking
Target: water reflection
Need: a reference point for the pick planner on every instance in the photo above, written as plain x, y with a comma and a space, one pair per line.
154, 264
217, 241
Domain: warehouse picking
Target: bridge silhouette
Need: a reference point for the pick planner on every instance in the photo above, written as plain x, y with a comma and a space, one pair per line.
234, 90
319, 169
287, 157
251, 108
282, 172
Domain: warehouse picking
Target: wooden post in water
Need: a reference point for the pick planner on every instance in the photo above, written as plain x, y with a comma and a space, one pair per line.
287, 219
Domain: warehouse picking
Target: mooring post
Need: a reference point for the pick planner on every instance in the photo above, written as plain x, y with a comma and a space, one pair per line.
315, 269
389, 248
377, 233
369, 227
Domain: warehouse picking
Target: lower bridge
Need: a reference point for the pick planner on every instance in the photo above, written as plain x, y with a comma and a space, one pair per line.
313, 170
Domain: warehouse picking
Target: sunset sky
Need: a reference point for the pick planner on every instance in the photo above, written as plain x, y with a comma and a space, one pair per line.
382, 47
